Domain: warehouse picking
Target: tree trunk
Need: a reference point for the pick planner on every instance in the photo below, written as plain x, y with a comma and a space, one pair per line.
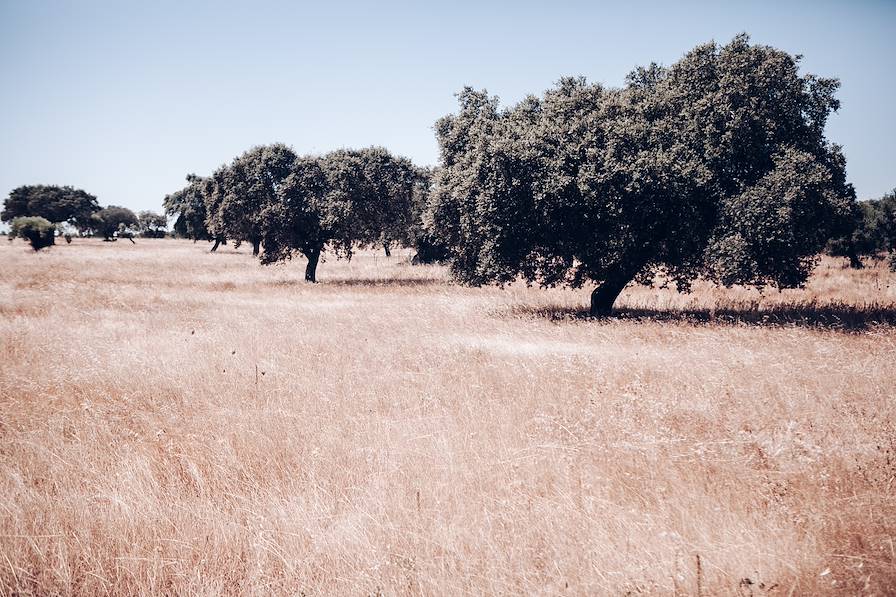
387, 248
256, 247
215, 247
311, 269
855, 262
605, 295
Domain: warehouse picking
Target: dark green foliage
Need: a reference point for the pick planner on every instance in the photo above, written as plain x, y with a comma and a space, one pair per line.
369, 197
111, 220
152, 225
38, 231
299, 221
428, 251
188, 207
885, 224
237, 195
388, 190
427, 247
54, 203
339, 201
716, 167
870, 231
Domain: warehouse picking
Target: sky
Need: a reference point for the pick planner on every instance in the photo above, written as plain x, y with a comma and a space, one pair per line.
123, 99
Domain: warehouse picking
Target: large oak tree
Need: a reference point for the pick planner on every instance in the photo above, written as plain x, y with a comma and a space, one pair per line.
716, 167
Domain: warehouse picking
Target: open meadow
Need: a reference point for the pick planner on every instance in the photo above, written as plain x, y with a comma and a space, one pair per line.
179, 422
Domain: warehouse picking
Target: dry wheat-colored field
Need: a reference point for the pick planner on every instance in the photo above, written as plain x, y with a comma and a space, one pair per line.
179, 422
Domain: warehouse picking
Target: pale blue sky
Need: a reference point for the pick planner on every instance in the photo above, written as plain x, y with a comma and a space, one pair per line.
125, 98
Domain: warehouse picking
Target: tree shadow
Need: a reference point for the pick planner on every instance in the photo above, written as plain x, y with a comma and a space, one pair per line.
386, 282
368, 282
829, 316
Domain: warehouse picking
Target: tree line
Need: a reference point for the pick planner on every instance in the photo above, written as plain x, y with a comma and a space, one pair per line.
870, 233
39, 212
291, 205
716, 167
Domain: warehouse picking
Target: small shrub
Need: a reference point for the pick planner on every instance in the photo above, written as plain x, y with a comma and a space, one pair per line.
39, 232
68, 238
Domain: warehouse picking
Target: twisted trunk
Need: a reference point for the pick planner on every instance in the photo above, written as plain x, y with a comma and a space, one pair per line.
603, 297
313, 256
256, 247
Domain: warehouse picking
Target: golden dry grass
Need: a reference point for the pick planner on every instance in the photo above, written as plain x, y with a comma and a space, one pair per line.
176, 422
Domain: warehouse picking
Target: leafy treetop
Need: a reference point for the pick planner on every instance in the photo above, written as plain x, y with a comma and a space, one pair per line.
341, 200
114, 219
716, 167
57, 204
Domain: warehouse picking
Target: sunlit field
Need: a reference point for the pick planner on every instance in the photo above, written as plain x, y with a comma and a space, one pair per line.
179, 422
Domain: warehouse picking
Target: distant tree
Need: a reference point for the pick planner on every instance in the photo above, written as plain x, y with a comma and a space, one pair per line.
152, 225
188, 207
111, 220
239, 193
427, 247
870, 231
389, 185
886, 226
380, 190
337, 202
860, 237
39, 232
54, 203
716, 167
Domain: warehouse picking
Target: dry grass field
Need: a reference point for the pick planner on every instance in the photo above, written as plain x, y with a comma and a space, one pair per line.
179, 422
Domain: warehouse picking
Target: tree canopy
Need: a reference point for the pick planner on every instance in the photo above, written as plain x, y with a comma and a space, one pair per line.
427, 248
292, 204
886, 225
239, 193
114, 219
716, 167
871, 230
187, 206
338, 201
152, 224
54, 203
